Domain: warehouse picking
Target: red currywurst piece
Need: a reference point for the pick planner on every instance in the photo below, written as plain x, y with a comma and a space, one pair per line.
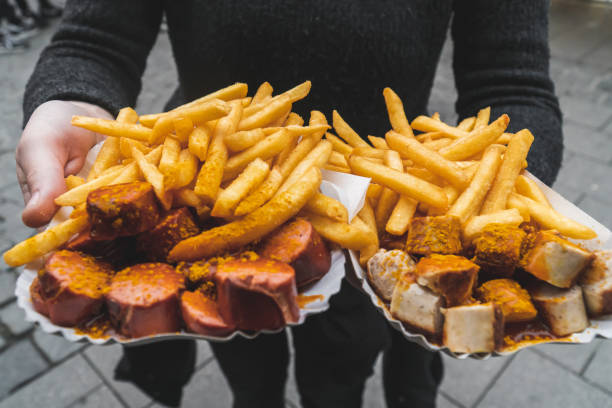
72, 286
39, 303
201, 315
122, 210
174, 227
144, 299
298, 244
256, 295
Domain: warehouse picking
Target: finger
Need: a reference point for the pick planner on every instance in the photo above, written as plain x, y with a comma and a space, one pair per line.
44, 176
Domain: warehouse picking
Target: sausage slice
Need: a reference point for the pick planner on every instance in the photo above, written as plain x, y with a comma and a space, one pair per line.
175, 226
144, 299
201, 315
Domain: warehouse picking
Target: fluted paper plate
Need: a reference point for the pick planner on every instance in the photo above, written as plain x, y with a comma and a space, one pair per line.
601, 326
348, 189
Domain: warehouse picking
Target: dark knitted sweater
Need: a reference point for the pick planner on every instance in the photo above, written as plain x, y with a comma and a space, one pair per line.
350, 50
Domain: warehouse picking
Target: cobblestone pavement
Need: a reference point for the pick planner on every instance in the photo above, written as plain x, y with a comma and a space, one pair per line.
38, 369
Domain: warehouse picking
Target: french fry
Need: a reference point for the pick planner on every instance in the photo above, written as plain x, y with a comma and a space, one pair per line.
251, 177
263, 93
235, 91
317, 157
211, 173
186, 170
44, 242
509, 170
73, 181
398, 221
527, 187
431, 136
125, 146
261, 194
265, 149
369, 152
373, 193
436, 116
477, 224
281, 119
292, 95
198, 114
323, 205
199, 139
346, 132
182, 129
378, 142
355, 235
239, 141
426, 175
467, 124
451, 194
397, 115
131, 171
152, 174
438, 143
170, 154
402, 183
253, 226
516, 203
476, 141
79, 194
504, 138
388, 198
293, 120
427, 124
113, 128
470, 200
304, 147
273, 110
339, 169
367, 216
483, 117
551, 219
186, 197
338, 144
336, 159
428, 159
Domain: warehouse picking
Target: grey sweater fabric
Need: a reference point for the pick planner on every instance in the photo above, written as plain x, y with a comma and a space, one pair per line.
350, 50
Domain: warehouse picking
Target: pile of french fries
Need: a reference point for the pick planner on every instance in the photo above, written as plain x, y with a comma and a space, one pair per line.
251, 162
474, 171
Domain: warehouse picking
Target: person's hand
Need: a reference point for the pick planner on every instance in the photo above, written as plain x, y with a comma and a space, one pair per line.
49, 150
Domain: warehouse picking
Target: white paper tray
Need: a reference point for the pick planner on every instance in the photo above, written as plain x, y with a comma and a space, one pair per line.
601, 326
348, 189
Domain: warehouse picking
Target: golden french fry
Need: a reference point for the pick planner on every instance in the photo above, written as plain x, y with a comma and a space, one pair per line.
470, 200
476, 141
426, 175
346, 132
292, 95
355, 235
483, 117
431, 136
152, 174
235, 91
263, 93
125, 147
509, 170
428, 159
527, 187
369, 152
436, 116
438, 143
397, 115
282, 119
211, 172
113, 128
336, 159
427, 124
170, 154
131, 171
199, 140
467, 124
323, 205
252, 176
551, 219
304, 147
378, 142
401, 183
261, 194
253, 226
317, 157
504, 138
451, 194
239, 141
293, 120
73, 181
388, 198
186, 169
338, 144
476, 224
373, 193
265, 149
182, 129
271, 111
186, 197
45, 242
367, 216
339, 169
398, 221
79, 194
516, 203
127, 115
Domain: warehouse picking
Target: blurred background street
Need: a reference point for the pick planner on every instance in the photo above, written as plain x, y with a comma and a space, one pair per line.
37, 369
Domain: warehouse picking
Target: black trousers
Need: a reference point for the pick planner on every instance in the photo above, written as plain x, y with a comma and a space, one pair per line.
334, 355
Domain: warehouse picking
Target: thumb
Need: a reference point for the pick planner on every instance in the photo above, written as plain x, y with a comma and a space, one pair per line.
41, 176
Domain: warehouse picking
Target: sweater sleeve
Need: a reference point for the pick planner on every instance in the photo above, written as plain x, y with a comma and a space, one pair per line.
501, 59
97, 55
